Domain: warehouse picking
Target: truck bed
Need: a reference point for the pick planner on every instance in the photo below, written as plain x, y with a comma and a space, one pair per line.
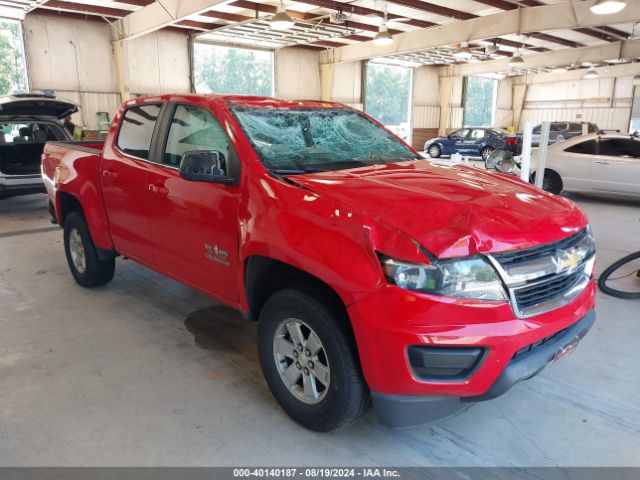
87, 146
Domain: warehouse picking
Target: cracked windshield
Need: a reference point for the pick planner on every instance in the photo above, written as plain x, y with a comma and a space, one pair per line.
291, 141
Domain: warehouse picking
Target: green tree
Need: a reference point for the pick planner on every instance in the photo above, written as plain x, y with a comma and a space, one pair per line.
12, 64
387, 93
479, 102
232, 70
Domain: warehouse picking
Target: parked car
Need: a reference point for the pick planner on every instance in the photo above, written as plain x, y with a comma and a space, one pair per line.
27, 122
474, 142
603, 164
372, 273
560, 131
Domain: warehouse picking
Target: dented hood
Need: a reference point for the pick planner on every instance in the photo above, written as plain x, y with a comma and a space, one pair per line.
451, 211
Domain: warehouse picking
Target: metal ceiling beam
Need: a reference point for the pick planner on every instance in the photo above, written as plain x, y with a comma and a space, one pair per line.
459, 15
564, 57
501, 4
259, 7
364, 11
156, 16
84, 8
525, 21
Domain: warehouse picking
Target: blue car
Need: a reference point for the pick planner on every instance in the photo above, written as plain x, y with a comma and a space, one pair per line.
474, 142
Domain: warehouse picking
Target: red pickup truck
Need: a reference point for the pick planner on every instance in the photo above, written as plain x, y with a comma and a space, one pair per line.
374, 275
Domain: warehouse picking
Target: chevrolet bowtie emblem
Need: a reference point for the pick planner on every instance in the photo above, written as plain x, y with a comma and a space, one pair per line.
567, 260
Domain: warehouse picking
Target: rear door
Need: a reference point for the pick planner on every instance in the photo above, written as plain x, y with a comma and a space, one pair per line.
194, 225
123, 172
476, 141
616, 168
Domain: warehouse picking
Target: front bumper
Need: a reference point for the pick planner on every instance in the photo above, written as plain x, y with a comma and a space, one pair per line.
390, 321
407, 410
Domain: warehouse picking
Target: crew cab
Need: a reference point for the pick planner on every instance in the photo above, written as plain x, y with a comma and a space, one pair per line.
27, 122
373, 274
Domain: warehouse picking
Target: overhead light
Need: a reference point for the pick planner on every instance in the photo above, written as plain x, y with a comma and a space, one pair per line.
463, 53
591, 73
559, 69
606, 7
281, 20
516, 60
383, 37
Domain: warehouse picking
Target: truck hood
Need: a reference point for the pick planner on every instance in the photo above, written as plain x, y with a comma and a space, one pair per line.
451, 211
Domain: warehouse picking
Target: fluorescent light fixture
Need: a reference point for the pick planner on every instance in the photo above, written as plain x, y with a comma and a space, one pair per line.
463, 53
559, 69
606, 7
281, 20
591, 73
383, 37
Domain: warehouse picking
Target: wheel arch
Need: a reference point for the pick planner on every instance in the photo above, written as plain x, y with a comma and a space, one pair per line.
263, 276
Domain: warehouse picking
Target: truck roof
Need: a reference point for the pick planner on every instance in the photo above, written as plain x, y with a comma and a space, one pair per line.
240, 100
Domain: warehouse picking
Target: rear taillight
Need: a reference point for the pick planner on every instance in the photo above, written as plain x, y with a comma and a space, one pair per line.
510, 140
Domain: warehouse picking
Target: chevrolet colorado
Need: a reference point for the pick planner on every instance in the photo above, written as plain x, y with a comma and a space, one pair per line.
373, 274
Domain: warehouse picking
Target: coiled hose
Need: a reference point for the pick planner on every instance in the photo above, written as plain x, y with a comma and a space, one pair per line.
604, 276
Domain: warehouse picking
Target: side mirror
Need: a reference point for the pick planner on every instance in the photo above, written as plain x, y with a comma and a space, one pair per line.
501, 161
204, 166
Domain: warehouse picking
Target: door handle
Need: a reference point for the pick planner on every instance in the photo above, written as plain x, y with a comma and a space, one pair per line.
602, 162
158, 190
109, 174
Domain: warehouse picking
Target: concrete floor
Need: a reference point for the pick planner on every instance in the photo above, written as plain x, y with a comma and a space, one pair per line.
148, 372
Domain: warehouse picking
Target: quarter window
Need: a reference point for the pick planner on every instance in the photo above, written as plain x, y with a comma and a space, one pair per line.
194, 128
136, 130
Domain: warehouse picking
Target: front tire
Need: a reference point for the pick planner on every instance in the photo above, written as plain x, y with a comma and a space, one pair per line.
434, 151
309, 361
87, 269
551, 182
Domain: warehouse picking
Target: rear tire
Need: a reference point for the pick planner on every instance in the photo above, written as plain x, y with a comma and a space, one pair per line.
319, 357
434, 151
485, 152
87, 269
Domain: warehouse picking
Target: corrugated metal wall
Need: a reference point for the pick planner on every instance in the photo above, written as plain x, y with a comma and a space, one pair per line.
606, 118
425, 116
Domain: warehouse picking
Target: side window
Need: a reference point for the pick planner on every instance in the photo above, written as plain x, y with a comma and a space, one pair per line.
194, 128
477, 133
462, 133
619, 147
587, 148
136, 130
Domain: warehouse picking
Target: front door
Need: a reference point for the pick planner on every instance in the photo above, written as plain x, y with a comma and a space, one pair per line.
123, 177
194, 225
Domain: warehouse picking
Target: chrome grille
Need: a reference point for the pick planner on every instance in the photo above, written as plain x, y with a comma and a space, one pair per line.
547, 277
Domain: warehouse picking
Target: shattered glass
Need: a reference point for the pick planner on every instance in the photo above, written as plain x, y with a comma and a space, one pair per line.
316, 139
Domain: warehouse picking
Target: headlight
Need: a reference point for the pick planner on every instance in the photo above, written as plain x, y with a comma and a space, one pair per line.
470, 277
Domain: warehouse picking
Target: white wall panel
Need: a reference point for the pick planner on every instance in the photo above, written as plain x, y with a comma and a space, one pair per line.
606, 118
90, 103
425, 86
157, 63
297, 73
69, 55
456, 117
504, 118
426, 116
347, 83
